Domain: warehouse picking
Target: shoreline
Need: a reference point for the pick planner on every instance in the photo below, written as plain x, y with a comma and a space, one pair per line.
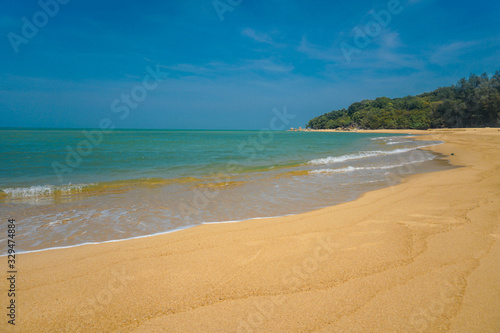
396, 131
145, 284
388, 183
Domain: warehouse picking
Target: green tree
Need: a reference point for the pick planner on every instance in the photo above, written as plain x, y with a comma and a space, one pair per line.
470, 102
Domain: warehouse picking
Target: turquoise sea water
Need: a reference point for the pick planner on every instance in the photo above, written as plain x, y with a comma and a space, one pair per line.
69, 187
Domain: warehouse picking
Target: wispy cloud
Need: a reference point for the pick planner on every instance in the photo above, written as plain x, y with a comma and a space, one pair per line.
390, 39
248, 65
449, 53
258, 36
455, 52
386, 58
386, 52
391, 52
269, 66
318, 52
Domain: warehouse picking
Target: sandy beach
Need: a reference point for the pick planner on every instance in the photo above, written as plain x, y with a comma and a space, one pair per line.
418, 256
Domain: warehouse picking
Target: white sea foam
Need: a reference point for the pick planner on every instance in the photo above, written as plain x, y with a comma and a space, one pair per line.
341, 170
56, 222
397, 142
348, 157
382, 167
29, 192
43, 190
392, 138
363, 154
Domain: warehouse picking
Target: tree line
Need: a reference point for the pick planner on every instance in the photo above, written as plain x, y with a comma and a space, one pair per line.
472, 102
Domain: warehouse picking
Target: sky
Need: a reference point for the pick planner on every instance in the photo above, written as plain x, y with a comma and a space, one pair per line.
227, 64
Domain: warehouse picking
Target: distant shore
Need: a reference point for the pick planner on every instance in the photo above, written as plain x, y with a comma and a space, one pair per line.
395, 131
418, 256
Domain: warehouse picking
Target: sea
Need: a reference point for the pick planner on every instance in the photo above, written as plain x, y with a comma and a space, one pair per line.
72, 187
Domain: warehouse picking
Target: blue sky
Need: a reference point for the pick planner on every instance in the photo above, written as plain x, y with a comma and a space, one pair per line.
230, 73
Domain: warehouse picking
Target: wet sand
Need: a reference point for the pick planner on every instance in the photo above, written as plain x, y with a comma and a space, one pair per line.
419, 256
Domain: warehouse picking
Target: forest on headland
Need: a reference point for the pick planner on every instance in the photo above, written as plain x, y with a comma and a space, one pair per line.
472, 102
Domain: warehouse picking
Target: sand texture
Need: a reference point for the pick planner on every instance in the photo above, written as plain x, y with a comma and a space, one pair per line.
420, 256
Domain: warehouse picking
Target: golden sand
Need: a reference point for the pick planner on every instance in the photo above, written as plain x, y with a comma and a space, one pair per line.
420, 256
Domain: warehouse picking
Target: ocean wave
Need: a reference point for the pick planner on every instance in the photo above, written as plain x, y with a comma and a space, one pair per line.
44, 190
363, 154
348, 157
383, 167
115, 186
392, 137
360, 155
397, 142
341, 170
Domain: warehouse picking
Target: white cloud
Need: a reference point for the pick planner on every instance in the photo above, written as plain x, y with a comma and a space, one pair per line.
248, 65
268, 65
383, 53
448, 53
317, 52
390, 39
391, 54
258, 37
